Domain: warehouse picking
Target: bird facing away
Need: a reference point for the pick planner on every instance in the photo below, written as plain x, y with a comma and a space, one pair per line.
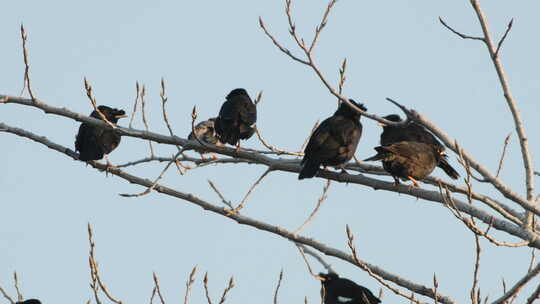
407, 160
334, 141
206, 133
30, 301
415, 132
236, 118
336, 290
95, 142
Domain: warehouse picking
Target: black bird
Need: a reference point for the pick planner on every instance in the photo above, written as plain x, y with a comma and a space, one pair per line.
95, 142
236, 118
336, 290
408, 160
334, 141
415, 132
206, 133
30, 301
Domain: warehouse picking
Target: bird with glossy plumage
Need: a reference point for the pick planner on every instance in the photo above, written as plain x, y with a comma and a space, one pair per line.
93, 143
206, 133
415, 132
334, 142
408, 160
236, 118
336, 290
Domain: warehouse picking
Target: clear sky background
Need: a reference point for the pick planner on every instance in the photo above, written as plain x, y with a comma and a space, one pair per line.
204, 49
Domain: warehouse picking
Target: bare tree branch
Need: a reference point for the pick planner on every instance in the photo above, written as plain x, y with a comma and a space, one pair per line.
26, 80
506, 140
4, 293
519, 284
189, 283
277, 287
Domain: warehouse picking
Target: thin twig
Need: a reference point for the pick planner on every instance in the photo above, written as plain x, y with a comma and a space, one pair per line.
145, 121
226, 291
506, 140
207, 293
534, 296
315, 255
519, 285
301, 250
365, 267
189, 284
137, 88
4, 293
277, 287
223, 200
160, 176
26, 80
458, 33
474, 298
309, 136
16, 285
244, 200
89, 93
508, 28
156, 284
321, 200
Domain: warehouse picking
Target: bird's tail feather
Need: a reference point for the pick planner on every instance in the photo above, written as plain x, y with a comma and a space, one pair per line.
449, 170
309, 169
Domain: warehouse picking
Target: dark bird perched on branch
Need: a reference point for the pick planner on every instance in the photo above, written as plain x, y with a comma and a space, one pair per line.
336, 290
408, 160
236, 118
94, 142
206, 133
334, 141
415, 132
30, 301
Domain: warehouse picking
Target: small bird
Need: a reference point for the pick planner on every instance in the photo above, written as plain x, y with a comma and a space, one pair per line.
336, 290
334, 141
408, 160
30, 301
206, 133
94, 142
415, 132
236, 118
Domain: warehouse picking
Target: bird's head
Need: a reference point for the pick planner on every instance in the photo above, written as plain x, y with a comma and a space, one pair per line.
237, 92
392, 117
327, 277
345, 110
112, 115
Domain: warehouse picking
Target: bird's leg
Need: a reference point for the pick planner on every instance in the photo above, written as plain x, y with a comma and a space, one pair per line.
396, 181
342, 172
213, 156
202, 156
108, 165
237, 147
414, 181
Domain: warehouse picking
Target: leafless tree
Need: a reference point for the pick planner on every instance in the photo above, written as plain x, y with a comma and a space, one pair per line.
516, 215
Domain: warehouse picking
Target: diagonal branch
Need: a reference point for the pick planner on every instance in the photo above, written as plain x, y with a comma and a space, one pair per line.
519, 284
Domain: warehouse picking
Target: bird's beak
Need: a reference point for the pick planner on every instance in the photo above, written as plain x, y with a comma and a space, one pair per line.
381, 124
120, 116
444, 153
320, 278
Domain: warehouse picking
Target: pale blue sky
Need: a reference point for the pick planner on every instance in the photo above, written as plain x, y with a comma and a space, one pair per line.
204, 49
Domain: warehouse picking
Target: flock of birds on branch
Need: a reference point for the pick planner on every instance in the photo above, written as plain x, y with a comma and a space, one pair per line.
408, 152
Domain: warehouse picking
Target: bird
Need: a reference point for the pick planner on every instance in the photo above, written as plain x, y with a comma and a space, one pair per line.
206, 133
408, 160
334, 141
336, 290
30, 301
415, 132
236, 118
95, 142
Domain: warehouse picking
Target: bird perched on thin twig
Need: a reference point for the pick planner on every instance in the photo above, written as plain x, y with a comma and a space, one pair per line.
408, 160
30, 301
334, 141
95, 142
415, 132
206, 133
236, 118
336, 290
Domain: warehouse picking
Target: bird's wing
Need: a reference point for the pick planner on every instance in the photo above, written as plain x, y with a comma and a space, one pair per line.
321, 141
248, 111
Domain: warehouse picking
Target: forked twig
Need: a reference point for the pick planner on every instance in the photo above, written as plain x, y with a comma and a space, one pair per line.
244, 200
156, 285
26, 80
226, 291
189, 284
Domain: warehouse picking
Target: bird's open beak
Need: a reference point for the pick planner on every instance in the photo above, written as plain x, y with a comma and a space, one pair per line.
121, 116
